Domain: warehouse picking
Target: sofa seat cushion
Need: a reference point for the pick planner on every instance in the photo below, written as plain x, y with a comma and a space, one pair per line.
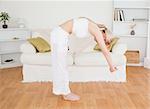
41, 59
97, 58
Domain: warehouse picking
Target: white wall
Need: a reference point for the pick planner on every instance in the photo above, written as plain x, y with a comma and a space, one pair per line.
45, 14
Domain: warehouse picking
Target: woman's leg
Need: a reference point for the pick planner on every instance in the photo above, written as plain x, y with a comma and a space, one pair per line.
60, 72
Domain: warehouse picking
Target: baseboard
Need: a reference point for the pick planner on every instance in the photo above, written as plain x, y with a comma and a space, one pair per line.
138, 64
147, 63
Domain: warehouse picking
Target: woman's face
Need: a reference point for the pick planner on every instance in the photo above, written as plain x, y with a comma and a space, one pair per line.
104, 36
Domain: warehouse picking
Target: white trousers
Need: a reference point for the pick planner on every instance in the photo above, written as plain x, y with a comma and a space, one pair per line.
59, 49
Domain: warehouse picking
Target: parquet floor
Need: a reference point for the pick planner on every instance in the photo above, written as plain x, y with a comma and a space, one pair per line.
134, 94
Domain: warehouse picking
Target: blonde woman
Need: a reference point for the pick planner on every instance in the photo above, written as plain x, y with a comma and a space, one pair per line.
59, 43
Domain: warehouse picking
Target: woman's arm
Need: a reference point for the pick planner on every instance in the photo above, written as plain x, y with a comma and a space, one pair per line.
94, 30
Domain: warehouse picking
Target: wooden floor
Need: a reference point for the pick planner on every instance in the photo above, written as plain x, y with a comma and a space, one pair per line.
134, 94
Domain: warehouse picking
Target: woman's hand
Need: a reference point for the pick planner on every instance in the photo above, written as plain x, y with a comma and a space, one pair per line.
113, 69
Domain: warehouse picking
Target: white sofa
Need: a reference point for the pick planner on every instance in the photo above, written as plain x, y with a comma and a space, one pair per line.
83, 65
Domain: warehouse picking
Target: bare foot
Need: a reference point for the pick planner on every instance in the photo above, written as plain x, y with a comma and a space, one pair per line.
71, 97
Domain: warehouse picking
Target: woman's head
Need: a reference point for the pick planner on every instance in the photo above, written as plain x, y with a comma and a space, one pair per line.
106, 33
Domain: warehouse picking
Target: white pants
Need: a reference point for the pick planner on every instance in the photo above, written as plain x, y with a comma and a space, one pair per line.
59, 49
59, 46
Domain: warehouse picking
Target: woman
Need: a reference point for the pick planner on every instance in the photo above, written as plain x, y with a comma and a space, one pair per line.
59, 44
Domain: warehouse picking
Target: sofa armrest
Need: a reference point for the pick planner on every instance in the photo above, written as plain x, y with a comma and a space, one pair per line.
119, 48
27, 48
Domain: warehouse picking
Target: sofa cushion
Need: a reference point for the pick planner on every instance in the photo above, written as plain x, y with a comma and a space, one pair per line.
40, 44
41, 58
97, 58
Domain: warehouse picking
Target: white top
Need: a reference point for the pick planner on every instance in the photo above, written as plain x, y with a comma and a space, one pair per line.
80, 27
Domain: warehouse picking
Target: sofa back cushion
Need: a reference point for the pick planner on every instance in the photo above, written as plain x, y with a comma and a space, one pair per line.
78, 45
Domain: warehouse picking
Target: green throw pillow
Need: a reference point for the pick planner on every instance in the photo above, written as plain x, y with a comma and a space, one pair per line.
40, 44
110, 46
